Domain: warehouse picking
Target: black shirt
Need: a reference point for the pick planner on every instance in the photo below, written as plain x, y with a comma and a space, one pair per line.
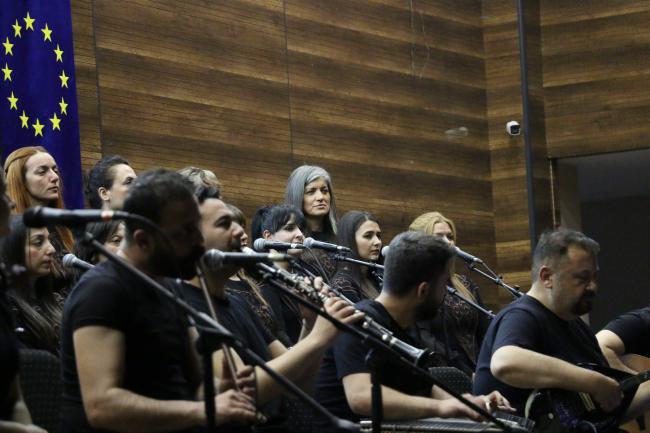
155, 331
633, 328
8, 357
285, 310
528, 324
347, 356
236, 316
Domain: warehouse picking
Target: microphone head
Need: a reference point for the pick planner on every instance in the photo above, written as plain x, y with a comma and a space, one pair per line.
384, 251
68, 260
214, 258
33, 217
308, 242
259, 244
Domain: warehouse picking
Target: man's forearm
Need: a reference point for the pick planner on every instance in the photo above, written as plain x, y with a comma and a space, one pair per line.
121, 410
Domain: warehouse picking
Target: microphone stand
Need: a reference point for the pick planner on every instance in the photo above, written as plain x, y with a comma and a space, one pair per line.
371, 265
376, 346
219, 335
492, 276
454, 292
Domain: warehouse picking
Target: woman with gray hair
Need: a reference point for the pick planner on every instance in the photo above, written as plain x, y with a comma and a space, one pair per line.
309, 189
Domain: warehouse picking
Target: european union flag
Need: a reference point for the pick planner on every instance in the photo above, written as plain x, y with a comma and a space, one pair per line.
38, 99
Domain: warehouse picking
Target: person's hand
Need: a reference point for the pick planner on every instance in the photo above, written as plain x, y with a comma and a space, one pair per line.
453, 407
235, 406
340, 310
34, 429
244, 379
496, 401
606, 393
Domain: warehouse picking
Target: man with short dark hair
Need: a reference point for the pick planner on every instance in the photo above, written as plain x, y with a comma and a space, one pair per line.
537, 341
127, 361
415, 276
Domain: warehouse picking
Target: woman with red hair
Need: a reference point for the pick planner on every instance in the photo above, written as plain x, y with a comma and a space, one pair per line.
33, 179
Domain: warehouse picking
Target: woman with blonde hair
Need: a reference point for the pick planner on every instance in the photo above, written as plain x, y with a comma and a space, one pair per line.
458, 329
33, 179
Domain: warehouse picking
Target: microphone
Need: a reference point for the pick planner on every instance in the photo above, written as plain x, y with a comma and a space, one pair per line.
217, 259
467, 257
41, 216
264, 245
460, 253
71, 261
313, 243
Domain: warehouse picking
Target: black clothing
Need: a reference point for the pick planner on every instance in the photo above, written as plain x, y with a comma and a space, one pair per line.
155, 332
8, 358
286, 311
236, 316
345, 283
633, 328
456, 333
31, 333
347, 356
528, 324
243, 290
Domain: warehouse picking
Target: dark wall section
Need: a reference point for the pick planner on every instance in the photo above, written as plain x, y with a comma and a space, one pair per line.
621, 227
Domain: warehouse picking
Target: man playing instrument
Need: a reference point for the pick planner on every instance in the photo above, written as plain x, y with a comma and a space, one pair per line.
415, 276
128, 363
538, 340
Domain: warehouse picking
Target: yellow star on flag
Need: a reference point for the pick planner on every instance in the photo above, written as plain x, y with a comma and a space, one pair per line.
47, 33
64, 106
59, 53
7, 72
17, 29
64, 79
24, 118
38, 128
12, 102
8, 47
55, 123
29, 21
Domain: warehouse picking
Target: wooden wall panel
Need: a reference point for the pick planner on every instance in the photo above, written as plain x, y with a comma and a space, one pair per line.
596, 71
86, 80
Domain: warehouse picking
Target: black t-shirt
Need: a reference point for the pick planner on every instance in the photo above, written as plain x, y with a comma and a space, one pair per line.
236, 316
528, 324
8, 357
347, 356
285, 310
633, 328
155, 331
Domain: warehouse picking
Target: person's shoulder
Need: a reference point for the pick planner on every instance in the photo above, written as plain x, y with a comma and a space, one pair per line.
102, 277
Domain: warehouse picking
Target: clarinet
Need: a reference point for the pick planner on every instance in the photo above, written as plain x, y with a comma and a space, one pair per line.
413, 354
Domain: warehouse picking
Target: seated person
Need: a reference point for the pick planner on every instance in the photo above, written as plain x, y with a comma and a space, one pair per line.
538, 340
415, 274
129, 362
108, 182
36, 306
627, 334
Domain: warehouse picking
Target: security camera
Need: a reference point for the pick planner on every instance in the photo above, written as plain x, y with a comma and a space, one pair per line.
513, 128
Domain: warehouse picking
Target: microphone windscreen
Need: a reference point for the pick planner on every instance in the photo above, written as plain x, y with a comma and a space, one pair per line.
33, 217
259, 244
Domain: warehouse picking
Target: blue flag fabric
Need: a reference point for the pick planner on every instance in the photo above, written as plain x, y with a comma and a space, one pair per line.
38, 98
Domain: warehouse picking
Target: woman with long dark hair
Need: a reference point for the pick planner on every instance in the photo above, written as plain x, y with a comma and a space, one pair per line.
14, 416
35, 303
360, 232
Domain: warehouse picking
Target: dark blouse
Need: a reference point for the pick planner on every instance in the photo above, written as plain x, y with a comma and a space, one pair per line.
457, 331
345, 283
8, 357
242, 290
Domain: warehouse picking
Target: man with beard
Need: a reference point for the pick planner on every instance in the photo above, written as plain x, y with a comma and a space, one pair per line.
299, 364
415, 275
127, 360
537, 341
